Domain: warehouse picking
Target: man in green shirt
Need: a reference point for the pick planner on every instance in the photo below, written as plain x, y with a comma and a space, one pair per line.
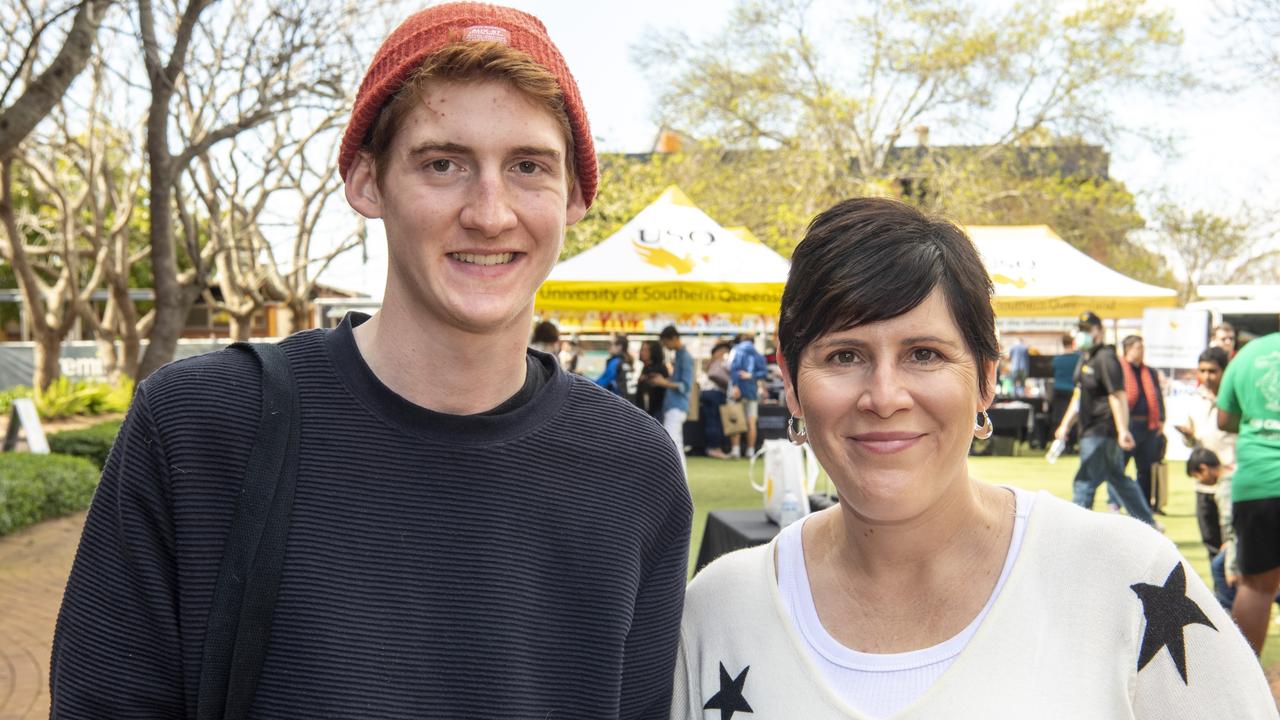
1249, 403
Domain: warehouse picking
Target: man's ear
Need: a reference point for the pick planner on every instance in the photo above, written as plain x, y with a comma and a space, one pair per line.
361, 187
577, 208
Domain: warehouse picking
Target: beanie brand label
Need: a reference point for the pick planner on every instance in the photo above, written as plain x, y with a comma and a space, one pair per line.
486, 33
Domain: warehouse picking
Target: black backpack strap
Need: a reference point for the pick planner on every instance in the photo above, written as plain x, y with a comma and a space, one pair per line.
244, 597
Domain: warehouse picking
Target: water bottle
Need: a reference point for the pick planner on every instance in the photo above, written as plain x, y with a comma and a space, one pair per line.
790, 510
1055, 450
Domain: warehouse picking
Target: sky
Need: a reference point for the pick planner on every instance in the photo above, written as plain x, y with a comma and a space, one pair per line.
1228, 143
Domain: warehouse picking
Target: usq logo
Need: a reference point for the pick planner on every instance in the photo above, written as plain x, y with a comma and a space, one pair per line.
671, 250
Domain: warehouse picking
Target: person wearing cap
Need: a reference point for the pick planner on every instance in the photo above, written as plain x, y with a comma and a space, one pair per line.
448, 553
1102, 406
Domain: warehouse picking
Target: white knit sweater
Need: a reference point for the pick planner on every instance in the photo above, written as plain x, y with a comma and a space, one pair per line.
1063, 639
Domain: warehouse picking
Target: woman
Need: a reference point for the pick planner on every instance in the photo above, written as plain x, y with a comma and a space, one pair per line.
925, 593
713, 397
649, 395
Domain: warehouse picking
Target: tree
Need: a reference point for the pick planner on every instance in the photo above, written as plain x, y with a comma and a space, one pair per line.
832, 106
59, 219
1253, 26
1212, 248
1055, 186
240, 64
288, 168
25, 28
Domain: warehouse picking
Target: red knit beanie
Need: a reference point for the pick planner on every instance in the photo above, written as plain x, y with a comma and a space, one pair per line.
429, 30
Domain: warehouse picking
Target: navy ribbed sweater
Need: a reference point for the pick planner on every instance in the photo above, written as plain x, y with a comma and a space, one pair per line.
528, 564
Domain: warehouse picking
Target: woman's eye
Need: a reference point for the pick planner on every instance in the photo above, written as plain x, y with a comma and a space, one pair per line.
843, 357
923, 355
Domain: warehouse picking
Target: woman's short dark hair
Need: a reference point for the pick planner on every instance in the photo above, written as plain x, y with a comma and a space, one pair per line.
1215, 355
871, 259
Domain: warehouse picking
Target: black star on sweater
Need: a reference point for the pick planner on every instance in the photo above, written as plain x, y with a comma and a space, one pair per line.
729, 700
1168, 611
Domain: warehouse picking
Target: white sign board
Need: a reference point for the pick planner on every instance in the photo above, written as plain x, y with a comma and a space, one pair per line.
24, 416
1174, 338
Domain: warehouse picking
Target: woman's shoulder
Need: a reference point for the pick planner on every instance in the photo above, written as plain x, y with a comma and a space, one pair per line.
731, 579
1062, 534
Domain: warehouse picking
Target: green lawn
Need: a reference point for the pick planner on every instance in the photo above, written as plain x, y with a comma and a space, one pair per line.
719, 484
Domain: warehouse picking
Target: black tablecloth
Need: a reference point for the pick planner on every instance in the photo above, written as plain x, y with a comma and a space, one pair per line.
729, 530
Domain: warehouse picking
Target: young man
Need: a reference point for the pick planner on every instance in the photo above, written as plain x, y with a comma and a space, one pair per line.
747, 368
1249, 403
1103, 408
442, 559
675, 404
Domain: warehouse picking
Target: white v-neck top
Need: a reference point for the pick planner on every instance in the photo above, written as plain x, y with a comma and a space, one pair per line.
1099, 617
879, 684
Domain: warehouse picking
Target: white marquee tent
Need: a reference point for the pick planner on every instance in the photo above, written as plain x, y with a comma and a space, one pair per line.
670, 258
1038, 274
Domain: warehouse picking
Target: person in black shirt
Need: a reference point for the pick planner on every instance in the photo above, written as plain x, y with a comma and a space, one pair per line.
649, 394
447, 555
1103, 410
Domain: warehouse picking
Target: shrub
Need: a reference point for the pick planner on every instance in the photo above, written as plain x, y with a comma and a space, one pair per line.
8, 395
39, 487
92, 443
65, 397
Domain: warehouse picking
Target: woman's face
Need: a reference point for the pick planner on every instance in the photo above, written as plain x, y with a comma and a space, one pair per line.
644, 353
1209, 375
889, 409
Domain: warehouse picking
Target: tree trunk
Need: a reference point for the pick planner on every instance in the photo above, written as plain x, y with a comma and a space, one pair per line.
288, 319
110, 357
47, 368
241, 326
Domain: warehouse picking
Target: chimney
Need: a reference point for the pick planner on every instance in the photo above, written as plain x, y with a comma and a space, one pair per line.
668, 142
922, 135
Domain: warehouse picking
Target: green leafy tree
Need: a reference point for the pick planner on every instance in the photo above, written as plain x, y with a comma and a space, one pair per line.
808, 102
1211, 248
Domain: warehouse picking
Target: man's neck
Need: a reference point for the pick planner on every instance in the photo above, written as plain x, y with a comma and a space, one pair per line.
444, 369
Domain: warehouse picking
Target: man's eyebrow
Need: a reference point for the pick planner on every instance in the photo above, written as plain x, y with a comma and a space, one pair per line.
534, 151
431, 148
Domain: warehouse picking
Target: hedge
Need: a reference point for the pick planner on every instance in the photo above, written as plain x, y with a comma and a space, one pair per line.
39, 487
93, 443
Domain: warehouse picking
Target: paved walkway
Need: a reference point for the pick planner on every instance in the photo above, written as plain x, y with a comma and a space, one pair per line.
34, 564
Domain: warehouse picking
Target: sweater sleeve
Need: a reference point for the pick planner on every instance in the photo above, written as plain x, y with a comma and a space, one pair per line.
1199, 664
116, 647
684, 687
655, 624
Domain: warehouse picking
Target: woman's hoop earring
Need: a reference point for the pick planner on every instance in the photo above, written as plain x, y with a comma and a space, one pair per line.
982, 428
796, 431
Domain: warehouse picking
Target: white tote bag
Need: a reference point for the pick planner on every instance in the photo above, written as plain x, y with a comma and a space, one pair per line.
788, 468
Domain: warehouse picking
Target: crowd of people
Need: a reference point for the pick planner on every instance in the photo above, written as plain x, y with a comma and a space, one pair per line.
734, 372
414, 514
1117, 407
